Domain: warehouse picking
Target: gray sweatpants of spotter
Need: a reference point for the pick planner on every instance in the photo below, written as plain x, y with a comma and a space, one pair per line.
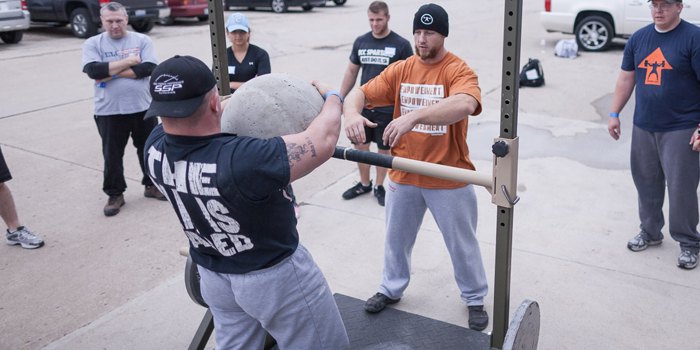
291, 300
455, 212
661, 160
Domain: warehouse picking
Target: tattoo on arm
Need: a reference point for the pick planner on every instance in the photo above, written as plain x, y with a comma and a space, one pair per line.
295, 151
311, 146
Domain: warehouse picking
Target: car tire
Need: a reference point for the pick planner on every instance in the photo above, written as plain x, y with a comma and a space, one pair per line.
203, 18
167, 21
594, 33
144, 26
340, 2
12, 37
81, 23
307, 8
278, 6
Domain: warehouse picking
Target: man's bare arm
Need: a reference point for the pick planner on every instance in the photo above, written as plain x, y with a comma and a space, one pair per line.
354, 121
117, 67
446, 112
349, 79
623, 91
309, 149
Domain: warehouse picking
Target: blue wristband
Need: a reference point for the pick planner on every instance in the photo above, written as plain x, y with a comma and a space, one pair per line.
333, 93
115, 77
615, 115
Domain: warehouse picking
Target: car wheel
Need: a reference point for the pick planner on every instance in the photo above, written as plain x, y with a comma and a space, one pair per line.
278, 6
307, 8
340, 2
12, 37
594, 33
167, 21
144, 26
80, 23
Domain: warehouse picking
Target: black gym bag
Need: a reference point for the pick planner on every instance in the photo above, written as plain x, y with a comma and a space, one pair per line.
532, 74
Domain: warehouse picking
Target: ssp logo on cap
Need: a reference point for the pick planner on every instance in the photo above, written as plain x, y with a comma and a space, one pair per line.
166, 84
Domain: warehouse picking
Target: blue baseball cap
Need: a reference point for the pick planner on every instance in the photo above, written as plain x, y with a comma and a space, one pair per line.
237, 21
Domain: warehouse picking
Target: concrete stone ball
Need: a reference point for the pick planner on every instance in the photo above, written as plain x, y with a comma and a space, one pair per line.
271, 105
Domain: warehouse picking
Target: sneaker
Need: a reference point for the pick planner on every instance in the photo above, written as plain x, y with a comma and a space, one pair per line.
24, 237
378, 302
688, 260
357, 190
380, 194
153, 192
113, 205
638, 243
478, 318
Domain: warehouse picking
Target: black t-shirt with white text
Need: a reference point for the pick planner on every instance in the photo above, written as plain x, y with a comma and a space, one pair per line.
374, 55
228, 192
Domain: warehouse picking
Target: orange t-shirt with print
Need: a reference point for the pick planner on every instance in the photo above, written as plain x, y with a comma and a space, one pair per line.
410, 85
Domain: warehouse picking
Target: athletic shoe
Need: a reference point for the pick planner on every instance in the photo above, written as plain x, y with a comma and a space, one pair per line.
638, 243
153, 192
24, 237
357, 190
688, 260
378, 302
113, 205
380, 194
478, 318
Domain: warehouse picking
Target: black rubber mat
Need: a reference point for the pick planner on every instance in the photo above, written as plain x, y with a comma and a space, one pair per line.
394, 329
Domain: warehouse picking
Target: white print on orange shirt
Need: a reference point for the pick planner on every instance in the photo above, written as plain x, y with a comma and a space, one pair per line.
418, 96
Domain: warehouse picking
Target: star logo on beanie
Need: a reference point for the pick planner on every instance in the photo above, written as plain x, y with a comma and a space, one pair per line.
426, 19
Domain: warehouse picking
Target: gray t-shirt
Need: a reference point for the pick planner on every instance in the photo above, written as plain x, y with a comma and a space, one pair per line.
120, 96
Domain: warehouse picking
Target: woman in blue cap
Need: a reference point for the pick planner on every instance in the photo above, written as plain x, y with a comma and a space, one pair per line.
245, 60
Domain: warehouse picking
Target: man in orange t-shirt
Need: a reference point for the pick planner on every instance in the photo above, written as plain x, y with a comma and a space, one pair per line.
433, 93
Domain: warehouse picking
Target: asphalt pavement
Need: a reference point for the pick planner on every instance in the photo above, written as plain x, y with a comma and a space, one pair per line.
117, 282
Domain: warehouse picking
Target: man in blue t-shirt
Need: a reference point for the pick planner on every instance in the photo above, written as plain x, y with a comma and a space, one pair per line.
229, 193
374, 51
662, 60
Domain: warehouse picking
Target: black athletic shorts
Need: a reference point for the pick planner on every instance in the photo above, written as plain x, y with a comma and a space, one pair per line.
4, 171
375, 134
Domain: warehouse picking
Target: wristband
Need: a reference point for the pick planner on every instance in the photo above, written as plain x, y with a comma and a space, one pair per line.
333, 93
115, 76
615, 115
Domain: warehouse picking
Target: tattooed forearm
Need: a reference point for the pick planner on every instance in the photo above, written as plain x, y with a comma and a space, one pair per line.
311, 146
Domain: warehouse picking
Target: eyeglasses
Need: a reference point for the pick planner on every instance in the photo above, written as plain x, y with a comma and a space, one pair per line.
663, 7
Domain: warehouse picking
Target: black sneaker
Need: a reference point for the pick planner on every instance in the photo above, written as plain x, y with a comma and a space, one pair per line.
380, 194
478, 318
357, 190
378, 302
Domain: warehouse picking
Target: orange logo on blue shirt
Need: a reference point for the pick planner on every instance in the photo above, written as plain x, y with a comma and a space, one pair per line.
654, 64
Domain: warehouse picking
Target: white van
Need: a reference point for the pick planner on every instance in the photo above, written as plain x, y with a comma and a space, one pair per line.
596, 22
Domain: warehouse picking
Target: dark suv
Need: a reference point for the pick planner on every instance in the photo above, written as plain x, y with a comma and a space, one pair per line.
84, 15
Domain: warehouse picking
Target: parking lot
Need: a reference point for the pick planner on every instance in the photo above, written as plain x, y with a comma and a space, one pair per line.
116, 283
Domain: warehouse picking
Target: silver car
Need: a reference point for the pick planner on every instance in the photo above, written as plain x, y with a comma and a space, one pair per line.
14, 20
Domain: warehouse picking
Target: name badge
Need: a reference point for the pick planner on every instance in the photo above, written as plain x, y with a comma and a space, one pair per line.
231, 69
390, 51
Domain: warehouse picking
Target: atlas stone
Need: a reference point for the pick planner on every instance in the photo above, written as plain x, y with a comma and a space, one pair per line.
271, 105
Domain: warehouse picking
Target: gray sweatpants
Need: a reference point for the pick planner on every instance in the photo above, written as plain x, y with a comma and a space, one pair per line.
291, 300
660, 160
455, 212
